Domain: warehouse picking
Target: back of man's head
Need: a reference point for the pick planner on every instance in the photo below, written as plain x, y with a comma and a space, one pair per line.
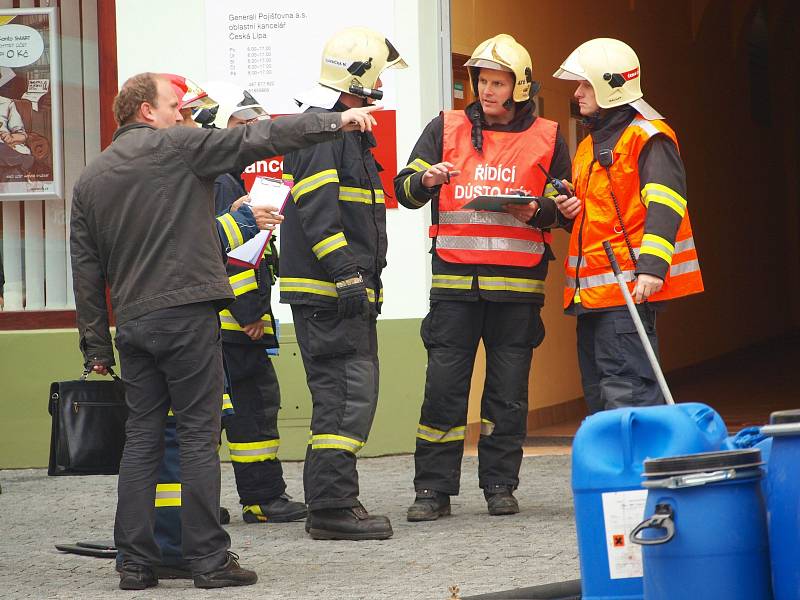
135, 91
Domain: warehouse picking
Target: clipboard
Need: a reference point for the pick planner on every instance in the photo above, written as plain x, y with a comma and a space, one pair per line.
266, 191
495, 203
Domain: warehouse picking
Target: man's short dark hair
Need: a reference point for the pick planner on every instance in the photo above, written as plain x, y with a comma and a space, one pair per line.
139, 88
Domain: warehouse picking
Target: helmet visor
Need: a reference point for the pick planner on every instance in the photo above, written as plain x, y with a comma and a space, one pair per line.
250, 113
562, 73
394, 60
482, 63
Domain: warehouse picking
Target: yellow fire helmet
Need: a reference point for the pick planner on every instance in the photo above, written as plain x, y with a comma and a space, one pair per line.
612, 69
504, 53
352, 61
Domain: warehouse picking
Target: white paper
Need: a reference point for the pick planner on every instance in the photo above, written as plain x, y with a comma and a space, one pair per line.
269, 192
622, 512
251, 251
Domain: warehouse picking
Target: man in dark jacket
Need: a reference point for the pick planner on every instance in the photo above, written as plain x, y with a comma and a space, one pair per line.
488, 273
333, 250
142, 222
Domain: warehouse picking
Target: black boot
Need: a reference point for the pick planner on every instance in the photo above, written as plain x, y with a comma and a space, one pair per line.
429, 505
500, 500
136, 577
353, 523
224, 516
228, 575
278, 510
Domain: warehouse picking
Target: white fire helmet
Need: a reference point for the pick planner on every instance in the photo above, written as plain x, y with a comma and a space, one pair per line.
612, 68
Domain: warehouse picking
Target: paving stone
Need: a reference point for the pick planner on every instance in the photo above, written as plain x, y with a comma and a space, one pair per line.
477, 552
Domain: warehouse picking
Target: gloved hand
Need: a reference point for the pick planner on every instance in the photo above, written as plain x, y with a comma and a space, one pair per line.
352, 293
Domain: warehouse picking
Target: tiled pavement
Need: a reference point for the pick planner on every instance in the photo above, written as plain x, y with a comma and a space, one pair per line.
479, 553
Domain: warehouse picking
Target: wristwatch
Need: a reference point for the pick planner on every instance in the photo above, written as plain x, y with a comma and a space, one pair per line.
348, 282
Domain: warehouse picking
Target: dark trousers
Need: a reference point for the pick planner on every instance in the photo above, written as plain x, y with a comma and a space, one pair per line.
252, 429
341, 362
615, 371
167, 530
172, 357
451, 333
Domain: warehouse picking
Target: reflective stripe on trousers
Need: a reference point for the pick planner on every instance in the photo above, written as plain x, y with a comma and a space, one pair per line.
168, 494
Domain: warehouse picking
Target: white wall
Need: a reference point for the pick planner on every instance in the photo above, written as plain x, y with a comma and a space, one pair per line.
175, 43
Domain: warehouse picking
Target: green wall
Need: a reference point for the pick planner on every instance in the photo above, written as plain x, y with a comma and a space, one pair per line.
31, 360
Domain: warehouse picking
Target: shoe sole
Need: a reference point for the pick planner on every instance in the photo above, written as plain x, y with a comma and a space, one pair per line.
443, 512
288, 518
136, 586
324, 534
503, 512
212, 585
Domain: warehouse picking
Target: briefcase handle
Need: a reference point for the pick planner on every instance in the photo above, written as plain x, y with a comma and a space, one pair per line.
88, 370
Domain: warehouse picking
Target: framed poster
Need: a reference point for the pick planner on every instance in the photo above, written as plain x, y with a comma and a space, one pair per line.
30, 105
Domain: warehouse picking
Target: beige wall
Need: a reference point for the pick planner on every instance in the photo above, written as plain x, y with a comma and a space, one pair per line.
742, 178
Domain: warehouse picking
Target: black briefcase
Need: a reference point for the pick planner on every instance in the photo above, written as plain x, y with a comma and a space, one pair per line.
88, 426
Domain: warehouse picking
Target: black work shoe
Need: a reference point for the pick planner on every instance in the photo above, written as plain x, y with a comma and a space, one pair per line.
224, 516
500, 500
278, 510
429, 505
353, 523
136, 577
228, 575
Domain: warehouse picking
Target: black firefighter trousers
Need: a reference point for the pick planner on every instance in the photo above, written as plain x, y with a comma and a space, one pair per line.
341, 362
451, 333
615, 371
172, 357
252, 429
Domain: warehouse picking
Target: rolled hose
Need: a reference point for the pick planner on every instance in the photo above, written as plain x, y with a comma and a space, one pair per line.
564, 590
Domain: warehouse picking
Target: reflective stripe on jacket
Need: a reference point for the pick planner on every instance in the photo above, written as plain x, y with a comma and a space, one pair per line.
589, 278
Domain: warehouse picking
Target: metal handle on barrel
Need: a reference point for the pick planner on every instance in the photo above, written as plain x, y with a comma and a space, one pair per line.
661, 520
637, 320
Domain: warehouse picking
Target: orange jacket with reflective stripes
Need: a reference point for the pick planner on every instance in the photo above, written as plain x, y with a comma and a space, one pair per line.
508, 162
589, 278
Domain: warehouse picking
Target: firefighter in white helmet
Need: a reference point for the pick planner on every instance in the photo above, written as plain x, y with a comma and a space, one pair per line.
248, 332
333, 250
488, 272
630, 189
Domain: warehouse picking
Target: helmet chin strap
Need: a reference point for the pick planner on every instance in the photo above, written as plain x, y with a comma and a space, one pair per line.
508, 104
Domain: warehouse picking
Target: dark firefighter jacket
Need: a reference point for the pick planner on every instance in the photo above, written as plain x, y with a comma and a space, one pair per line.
336, 220
251, 285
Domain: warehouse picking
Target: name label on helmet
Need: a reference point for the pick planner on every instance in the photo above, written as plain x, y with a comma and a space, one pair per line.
338, 62
632, 74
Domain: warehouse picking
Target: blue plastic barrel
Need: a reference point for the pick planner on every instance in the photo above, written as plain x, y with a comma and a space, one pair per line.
783, 503
607, 460
705, 534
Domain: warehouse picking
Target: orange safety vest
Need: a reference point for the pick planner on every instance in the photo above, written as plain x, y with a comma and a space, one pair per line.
508, 162
587, 261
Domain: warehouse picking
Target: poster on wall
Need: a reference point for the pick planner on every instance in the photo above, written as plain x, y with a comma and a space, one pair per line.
274, 52
30, 109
